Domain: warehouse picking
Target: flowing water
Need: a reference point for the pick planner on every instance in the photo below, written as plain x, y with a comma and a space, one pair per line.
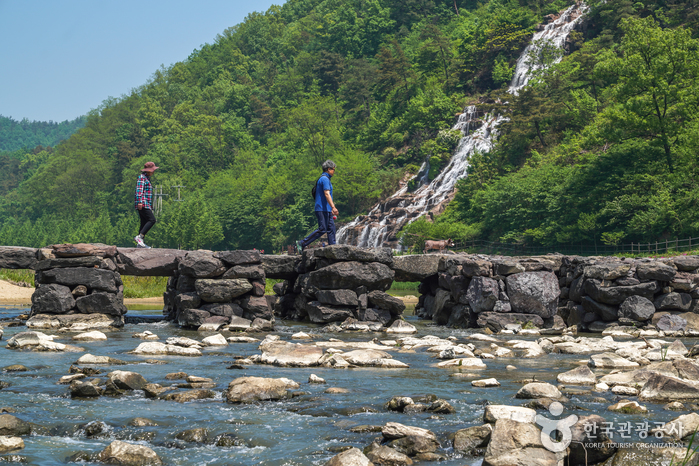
306, 430
378, 228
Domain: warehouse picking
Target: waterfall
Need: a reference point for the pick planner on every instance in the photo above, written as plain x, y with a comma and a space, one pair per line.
380, 225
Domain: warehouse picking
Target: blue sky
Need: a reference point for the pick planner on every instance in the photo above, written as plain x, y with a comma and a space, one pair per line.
61, 58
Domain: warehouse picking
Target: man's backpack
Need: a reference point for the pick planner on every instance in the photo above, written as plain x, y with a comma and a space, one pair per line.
314, 190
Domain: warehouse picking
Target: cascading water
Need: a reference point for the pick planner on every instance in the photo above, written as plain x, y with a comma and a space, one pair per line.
380, 226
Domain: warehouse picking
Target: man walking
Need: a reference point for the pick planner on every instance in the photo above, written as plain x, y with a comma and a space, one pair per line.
325, 209
144, 202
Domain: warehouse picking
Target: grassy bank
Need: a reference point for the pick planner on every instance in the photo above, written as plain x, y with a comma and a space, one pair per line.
18, 277
143, 287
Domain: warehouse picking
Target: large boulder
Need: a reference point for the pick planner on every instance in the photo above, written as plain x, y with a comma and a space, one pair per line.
201, 264
249, 271
482, 294
75, 322
59, 263
415, 268
673, 302
385, 301
251, 389
517, 443
52, 299
655, 271
256, 307
472, 438
343, 252
636, 308
102, 303
686, 263
607, 270
604, 311
12, 257
338, 297
221, 290
320, 314
352, 275
83, 249
671, 323
93, 279
534, 293
410, 440
597, 290
538, 390
192, 317
126, 454
148, 262
581, 375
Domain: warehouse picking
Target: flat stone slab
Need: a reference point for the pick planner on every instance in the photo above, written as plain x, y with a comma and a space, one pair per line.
148, 262
12, 257
416, 268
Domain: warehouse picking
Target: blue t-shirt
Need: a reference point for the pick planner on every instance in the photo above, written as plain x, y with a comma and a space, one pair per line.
323, 185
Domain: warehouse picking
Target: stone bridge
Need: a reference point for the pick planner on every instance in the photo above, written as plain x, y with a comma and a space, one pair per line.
80, 286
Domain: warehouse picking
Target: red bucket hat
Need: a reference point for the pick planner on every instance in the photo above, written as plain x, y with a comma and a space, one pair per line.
149, 167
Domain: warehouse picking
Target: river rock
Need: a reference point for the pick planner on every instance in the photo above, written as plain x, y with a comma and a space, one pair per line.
239, 324
472, 438
52, 299
482, 294
91, 336
251, 389
415, 268
485, 383
373, 358
627, 407
250, 272
410, 440
82, 389
636, 456
351, 275
383, 455
589, 442
198, 435
192, 317
10, 444
513, 442
157, 348
610, 360
126, 454
671, 323
637, 308
492, 413
681, 427
282, 353
89, 359
223, 309
215, 340
101, 303
351, 457
661, 388
538, 390
221, 290
13, 426
126, 380
655, 271
581, 375
464, 363
401, 327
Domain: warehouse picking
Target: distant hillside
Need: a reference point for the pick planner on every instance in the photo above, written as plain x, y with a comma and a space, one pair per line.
25, 134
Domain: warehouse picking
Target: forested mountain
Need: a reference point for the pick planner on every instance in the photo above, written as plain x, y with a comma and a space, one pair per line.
25, 134
600, 147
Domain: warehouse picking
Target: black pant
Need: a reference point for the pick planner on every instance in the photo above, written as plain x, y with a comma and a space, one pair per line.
147, 220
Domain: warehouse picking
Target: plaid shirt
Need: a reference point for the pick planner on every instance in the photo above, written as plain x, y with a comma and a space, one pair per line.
144, 192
